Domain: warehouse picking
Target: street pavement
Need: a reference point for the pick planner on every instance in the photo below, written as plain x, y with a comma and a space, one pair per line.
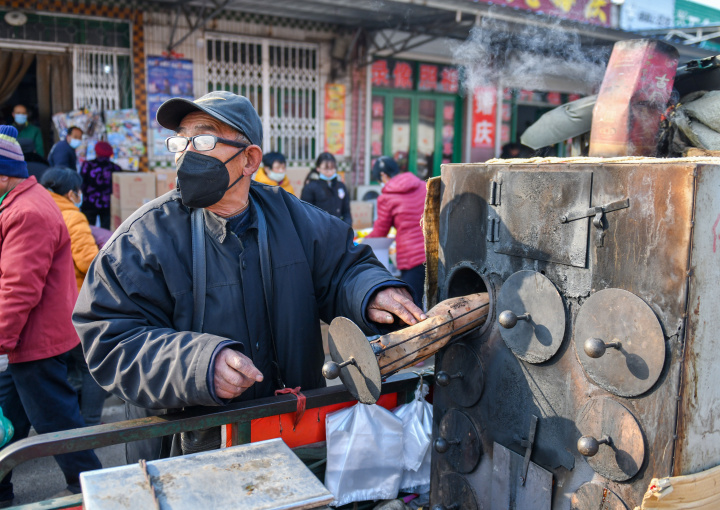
40, 479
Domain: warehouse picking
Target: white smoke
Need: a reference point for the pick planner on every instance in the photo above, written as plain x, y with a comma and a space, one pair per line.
530, 57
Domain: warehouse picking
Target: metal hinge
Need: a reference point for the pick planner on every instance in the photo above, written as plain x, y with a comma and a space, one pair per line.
493, 231
495, 189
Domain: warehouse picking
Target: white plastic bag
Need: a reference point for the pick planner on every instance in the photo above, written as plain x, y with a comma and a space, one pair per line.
417, 436
3, 362
364, 454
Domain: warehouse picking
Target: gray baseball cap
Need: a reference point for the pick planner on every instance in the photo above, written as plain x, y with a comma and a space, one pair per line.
235, 111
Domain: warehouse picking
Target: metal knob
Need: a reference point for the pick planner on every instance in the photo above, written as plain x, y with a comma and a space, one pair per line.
331, 369
595, 347
589, 446
454, 506
508, 319
444, 379
442, 445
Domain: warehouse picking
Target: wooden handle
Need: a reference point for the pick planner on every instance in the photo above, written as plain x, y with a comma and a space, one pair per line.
445, 320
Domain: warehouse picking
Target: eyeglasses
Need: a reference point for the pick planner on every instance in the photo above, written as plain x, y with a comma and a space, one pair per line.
200, 142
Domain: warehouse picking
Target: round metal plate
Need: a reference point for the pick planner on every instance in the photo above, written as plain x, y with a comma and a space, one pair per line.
538, 339
465, 390
604, 417
465, 455
345, 341
618, 315
457, 490
593, 496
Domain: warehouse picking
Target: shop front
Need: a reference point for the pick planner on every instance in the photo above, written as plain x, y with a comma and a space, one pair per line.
415, 115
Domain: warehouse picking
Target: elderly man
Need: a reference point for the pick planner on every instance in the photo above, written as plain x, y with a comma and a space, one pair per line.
275, 267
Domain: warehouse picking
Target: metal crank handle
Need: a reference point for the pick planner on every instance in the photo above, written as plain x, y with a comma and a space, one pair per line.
442, 445
595, 347
508, 319
331, 369
589, 446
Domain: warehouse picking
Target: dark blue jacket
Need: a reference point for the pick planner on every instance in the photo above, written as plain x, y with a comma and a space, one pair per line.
62, 154
134, 313
330, 196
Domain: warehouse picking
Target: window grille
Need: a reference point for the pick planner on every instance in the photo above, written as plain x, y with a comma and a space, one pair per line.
282, 81
96, 78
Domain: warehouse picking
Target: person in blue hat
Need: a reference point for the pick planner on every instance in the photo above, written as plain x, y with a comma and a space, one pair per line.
274, 266
37, 292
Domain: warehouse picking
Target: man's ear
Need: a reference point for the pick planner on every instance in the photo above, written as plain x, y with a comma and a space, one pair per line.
253, 158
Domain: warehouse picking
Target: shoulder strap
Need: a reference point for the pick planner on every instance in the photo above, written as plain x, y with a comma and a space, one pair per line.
198, 269
266, 274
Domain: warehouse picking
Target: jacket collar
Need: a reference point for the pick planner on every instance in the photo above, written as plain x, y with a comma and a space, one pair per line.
218, 226
17, 191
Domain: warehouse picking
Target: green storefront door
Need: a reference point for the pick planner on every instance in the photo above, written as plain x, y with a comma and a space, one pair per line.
421, 130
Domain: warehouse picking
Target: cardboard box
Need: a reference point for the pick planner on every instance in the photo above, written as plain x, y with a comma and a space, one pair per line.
297, 177
133, 189
118, 214
164, 181
362, 214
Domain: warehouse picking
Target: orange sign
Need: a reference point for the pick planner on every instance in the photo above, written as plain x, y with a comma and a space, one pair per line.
335, 101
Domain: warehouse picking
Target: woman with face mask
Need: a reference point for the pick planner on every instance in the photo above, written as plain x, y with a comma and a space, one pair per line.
274, 172
64, 187
324, 189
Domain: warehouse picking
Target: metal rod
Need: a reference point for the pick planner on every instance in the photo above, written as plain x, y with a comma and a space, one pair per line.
394, 371
433, 328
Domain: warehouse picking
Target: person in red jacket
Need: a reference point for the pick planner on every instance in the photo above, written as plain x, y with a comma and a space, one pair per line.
37, 294
401, 205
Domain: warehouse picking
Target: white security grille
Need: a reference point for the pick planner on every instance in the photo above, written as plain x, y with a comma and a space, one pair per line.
95, 83
281, 79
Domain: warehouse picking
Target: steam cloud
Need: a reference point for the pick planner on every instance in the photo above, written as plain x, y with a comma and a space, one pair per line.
530, 57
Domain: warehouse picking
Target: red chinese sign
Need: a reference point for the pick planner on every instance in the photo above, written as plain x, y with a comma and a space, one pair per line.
428, 77
398, 74
596, 12
483, 118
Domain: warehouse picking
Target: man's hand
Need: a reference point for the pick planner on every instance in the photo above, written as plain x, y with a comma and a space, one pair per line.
234, 373
397, 301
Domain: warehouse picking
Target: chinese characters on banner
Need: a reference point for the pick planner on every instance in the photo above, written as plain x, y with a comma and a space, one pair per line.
398, 74
335, 118
596, 12
483, 118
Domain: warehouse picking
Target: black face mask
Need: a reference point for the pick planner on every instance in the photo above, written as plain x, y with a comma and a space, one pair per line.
203, 180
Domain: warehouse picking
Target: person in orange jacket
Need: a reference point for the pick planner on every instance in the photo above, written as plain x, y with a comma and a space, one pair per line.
274, 172
64, 187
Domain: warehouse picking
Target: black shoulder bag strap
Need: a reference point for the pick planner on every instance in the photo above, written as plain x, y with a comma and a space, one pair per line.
204, 439
266, 275
199, 269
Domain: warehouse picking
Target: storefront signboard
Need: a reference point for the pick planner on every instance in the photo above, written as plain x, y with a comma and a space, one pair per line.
398, 74
483, 118
166, 78
596, 12
335, 118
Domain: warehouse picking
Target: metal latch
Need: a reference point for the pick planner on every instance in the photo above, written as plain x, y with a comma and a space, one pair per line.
495, 190
597, 212
528, 445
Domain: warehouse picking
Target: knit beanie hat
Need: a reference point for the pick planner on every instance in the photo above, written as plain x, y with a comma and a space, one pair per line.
103, 150
12, 161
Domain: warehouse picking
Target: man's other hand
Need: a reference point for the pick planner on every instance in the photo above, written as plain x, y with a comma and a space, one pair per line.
234, 373
397, 301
